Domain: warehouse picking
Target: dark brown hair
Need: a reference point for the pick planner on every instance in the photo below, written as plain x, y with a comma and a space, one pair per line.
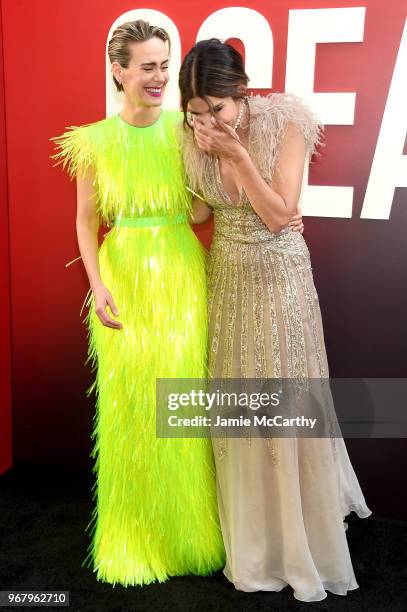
211, 68
130, 32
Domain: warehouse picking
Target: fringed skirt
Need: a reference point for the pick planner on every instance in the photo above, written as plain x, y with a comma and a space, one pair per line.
155, 511
282, 501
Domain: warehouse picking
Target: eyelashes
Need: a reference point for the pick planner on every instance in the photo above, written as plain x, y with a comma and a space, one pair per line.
150, 69
215, 110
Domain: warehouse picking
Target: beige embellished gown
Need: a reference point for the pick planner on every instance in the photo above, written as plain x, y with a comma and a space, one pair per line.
282, 501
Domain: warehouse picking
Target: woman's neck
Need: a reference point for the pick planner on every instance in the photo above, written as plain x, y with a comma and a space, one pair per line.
139, 116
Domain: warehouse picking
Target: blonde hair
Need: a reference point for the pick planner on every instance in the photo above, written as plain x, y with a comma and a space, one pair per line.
129, 32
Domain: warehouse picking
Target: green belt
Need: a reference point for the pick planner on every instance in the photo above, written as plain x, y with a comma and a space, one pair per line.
150, 221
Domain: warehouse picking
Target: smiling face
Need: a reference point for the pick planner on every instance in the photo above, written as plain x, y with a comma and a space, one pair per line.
225, 109
145, 78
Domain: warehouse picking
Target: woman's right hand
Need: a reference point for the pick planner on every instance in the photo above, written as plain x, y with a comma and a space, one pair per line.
103, 299
87, 225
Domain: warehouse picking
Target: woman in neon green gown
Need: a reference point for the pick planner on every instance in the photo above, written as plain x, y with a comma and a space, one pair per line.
156, 513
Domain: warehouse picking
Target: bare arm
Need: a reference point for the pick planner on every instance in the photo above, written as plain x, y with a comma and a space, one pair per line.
87, 225
200, 211
276, 203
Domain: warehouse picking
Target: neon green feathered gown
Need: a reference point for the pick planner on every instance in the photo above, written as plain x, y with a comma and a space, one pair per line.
155, 514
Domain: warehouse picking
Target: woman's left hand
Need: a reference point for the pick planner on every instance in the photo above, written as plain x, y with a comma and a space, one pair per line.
296, 224
219, 140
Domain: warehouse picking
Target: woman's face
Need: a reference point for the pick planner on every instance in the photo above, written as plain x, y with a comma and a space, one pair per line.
225, 109
146, 77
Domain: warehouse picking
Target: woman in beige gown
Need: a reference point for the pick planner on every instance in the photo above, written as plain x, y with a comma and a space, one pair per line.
282, 501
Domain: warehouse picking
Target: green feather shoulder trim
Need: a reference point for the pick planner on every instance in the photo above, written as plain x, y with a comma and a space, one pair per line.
76, 149
137, 171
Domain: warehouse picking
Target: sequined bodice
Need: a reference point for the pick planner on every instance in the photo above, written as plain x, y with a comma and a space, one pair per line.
240, 223
138, 171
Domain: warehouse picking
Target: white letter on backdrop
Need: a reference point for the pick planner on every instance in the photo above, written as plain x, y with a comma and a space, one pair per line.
254, 31
389, 167
306, 28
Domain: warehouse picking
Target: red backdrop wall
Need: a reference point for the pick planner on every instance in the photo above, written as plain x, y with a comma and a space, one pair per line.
54, 77
5, 348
